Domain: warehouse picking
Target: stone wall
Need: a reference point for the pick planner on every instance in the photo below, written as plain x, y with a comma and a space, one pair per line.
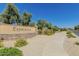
9, 29
13, 32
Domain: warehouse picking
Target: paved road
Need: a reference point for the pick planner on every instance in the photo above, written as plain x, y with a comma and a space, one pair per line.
46, 45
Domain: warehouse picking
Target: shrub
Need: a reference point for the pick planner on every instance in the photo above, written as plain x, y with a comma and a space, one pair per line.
77, 43
48, 32
20, 43
68, 32
70, 35
55, 28
39, 31
10, 52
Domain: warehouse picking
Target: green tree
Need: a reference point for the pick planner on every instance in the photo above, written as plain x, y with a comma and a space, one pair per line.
1, 19
26, 18
41, 24
13, 19
10, 11
49, 26
55, 28
76, 27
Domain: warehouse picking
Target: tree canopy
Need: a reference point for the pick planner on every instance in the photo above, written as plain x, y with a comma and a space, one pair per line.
76, 27
11, 15
26, 18
42, 24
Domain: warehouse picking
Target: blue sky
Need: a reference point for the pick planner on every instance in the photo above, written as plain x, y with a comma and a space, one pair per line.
62, 15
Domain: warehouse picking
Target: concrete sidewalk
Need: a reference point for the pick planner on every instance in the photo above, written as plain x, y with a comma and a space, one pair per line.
42, 45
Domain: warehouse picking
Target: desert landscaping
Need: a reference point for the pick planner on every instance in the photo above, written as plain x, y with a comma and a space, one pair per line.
21, 36
54, 45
